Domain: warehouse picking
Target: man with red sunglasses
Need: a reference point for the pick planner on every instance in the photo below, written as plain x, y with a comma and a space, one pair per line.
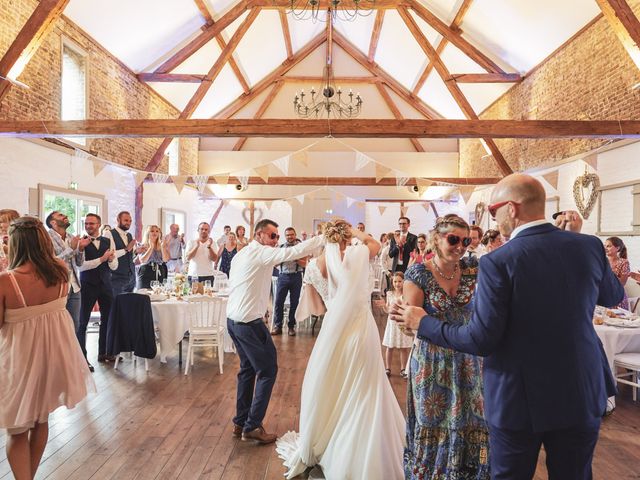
249, 286
546, 377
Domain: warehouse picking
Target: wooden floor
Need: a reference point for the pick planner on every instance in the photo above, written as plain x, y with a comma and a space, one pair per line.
162, 424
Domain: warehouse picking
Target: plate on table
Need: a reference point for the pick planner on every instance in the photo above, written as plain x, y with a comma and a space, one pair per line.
623, 322
619, 313
157, 297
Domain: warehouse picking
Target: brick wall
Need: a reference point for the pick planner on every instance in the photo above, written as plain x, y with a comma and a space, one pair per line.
590, 78
113, 91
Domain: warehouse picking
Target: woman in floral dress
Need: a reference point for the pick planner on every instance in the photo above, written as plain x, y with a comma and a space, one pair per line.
447, 437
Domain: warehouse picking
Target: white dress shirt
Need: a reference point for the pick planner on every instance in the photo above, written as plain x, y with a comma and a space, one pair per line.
123, 236
200, 264
91, 264
519, 229
250, 277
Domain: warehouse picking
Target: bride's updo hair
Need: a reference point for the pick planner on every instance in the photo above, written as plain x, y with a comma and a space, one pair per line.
337, 231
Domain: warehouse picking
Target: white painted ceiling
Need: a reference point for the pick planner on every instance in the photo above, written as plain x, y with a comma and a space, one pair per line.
516, 34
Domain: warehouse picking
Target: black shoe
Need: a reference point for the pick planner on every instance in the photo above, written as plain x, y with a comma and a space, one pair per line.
91, 369
292, 332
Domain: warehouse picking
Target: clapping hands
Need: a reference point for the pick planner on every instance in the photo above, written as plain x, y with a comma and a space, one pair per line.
108, 256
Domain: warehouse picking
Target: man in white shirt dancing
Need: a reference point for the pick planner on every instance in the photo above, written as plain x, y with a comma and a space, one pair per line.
249, 286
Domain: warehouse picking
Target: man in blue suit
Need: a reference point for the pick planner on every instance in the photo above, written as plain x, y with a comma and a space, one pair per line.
546, 378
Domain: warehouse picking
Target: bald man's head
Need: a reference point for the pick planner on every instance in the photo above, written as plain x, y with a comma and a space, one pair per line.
527, 201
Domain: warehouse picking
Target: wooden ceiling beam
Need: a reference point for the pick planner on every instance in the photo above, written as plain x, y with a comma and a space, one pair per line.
244, 99
625, 25
455, 26
454, 37
203, 38
28, 40
338, 80
343, 5
375, 35
396, 113
487, 77
354, 181
286, 33
361, 128
170, 77
377, 71
206, 83
452, 86
261, 111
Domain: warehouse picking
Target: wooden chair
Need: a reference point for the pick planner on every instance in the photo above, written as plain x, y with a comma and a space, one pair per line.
631, 363
205, 327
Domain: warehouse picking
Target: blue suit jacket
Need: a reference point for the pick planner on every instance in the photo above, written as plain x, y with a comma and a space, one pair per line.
532, 318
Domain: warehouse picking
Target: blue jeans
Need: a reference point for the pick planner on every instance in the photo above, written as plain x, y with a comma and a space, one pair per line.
258, 358
288, 283
73, 307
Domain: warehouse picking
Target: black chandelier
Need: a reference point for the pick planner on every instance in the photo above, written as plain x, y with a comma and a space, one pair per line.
346, 10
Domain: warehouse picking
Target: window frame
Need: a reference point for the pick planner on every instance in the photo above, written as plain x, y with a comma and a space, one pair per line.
66, 42
43, 189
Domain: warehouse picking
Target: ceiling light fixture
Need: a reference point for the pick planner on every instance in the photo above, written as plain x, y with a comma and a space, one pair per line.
329, 100
336, 9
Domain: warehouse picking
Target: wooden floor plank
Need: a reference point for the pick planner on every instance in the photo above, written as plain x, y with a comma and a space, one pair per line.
165, 425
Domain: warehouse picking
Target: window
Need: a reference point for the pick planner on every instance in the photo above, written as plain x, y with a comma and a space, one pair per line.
74, 86
74, 205
170, 216
174, 157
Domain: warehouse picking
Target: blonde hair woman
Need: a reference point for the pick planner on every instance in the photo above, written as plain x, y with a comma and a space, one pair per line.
452, 440
357, 430
153, 255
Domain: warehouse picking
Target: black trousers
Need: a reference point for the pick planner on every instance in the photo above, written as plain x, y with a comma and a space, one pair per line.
90, 295
258, 371
514, 454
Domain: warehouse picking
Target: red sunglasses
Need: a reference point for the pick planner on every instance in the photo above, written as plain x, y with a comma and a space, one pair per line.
454, 240
493, 209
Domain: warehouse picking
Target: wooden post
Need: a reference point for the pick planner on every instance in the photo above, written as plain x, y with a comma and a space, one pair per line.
137, 216
252, 212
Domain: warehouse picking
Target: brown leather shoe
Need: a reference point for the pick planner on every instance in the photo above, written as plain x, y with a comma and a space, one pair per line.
237, 431
258, 435
292, 332
276, 331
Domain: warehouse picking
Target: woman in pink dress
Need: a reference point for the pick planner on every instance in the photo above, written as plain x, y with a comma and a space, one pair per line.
41, 364
617, 255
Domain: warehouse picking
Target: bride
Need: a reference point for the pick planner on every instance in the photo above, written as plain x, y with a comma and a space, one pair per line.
350, 421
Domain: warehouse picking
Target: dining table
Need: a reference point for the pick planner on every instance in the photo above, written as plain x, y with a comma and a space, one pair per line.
171, 319
617, 340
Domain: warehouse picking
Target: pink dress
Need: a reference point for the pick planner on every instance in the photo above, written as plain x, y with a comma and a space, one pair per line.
41, 364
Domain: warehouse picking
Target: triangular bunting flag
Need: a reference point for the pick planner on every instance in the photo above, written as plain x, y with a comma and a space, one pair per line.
360, 204
200, 182
381, 172
403, 211
244, 181
221, 179
426, 206
592, 160
98, 166
300, 198
350, 201
381, 209
282, 164
424, 182
301, 157
159, 177
268, 204
340, 196
140, 177
178, 182
312, 194
263, 172
400, 180
552, 178
466, 191
361, 160
225, 202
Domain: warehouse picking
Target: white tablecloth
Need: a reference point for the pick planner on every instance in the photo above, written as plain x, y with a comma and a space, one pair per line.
172, 321
617, 340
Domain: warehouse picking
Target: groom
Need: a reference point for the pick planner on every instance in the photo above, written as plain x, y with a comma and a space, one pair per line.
249, 285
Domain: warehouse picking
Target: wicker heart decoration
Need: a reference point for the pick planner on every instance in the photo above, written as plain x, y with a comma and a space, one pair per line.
585, 193
479, 212
257, 215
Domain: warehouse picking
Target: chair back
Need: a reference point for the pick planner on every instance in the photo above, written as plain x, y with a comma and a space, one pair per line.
633, 304
130, 327
206, 312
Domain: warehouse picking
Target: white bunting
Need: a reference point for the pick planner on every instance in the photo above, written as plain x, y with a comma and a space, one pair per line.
159, 177
552, 178
400, 180
592, 160
268, 204
243, 178
340, 197
381, 209
350, 201
301, 157
361, 160
424, 182
300, 199
360, 204
282, 164
200, 182
466, 191
381, 172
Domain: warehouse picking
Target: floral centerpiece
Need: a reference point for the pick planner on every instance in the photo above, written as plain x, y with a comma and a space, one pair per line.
179, 281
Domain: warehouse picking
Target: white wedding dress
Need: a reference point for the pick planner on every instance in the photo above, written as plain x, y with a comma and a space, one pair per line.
350, 421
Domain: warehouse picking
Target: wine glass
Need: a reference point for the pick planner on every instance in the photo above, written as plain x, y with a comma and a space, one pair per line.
155, 287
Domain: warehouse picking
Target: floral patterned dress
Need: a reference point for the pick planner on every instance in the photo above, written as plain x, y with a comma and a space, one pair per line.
447, 436
620, 269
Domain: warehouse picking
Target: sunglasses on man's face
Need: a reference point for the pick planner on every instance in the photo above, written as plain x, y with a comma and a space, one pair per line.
274, 236
454, 240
